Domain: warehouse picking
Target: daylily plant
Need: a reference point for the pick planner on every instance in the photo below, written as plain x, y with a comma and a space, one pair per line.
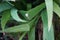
28, 18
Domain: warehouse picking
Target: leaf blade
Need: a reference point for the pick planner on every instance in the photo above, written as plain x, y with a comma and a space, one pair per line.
31, 34
49, 7
33, 12
5, 17
15, 16
47, 35
4, 6
19, 28
56, 9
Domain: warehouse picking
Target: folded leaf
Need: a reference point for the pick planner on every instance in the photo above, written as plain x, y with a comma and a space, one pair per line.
22, 12
15, 16
47, 35
49, 7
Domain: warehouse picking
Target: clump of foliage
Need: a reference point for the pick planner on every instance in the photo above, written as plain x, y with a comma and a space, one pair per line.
20, 18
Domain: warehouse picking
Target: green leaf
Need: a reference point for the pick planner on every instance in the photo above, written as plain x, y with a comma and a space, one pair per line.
31, 34
22, 12
56, 9
45, 27
31, 24
47, 35
33, 12
49, 7
4, 6
5, 17
19, 28
15, 16
22, 36
34, 21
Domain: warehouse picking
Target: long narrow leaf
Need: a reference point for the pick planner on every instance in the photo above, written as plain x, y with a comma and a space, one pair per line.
31, 34
49, 6
19, 28
31, 23
47, 35
22, 36
33, 12
5, 17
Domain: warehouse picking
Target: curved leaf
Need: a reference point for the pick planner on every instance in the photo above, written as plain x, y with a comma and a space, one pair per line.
22, 12
5, 17
15, 16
